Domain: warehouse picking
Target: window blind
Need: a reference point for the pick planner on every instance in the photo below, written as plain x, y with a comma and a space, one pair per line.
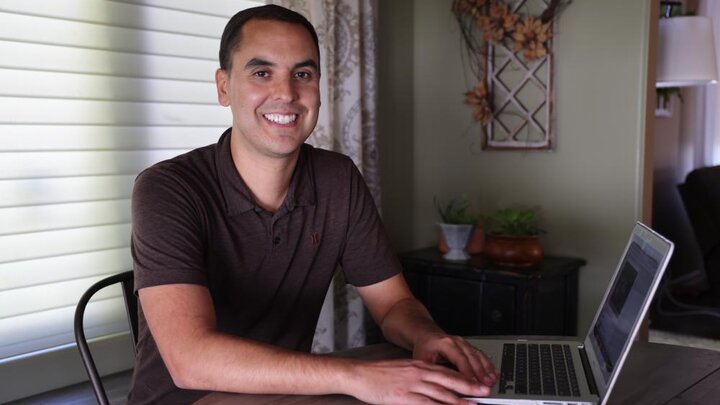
91, 93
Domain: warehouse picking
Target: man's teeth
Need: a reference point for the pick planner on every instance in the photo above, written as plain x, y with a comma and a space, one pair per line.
281, 118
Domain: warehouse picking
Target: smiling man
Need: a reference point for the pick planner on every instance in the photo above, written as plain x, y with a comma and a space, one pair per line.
235, 244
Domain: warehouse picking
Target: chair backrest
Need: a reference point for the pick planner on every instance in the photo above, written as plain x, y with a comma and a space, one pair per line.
701, 196
125, 280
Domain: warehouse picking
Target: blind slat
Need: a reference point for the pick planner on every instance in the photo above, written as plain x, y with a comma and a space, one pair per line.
15, 165
57, 269
56, 243
23, 28
40, 330
64, 190
24, 83
121, 14
16, 138
63, 216
225, 8
59, 112
20, 55
44, 297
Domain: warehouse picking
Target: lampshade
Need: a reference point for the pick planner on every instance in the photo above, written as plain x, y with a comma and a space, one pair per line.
686, 52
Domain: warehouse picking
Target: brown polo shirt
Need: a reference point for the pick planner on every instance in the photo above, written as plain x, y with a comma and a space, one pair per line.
195, 221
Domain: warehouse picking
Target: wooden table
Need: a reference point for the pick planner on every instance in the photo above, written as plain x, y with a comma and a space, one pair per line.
653, 374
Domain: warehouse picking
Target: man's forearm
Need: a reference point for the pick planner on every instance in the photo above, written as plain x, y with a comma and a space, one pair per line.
227, 363
407, 321
182, 322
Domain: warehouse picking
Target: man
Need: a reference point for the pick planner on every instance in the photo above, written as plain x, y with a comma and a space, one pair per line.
235, 244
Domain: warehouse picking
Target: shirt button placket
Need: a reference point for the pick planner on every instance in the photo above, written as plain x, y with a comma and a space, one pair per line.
274, 229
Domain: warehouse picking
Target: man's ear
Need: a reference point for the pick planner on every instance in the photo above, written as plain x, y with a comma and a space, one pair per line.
221, 82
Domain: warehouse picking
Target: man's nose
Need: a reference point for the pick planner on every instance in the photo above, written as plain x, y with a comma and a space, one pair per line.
285, 89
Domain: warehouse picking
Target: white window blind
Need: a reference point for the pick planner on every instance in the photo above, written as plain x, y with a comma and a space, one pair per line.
91, 93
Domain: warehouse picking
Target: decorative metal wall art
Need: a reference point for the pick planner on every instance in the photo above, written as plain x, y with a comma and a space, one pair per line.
508, 45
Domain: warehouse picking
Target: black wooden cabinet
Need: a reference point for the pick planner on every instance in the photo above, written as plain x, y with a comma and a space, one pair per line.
478, 297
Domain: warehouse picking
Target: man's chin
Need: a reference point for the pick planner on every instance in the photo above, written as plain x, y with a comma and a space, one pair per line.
285, 151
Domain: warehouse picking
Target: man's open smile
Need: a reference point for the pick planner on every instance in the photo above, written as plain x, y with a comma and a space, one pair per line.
282, 119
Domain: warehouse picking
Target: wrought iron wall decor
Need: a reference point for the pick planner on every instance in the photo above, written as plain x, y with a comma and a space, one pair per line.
509, 47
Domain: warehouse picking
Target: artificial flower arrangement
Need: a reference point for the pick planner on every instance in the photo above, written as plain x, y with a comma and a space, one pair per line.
501, 22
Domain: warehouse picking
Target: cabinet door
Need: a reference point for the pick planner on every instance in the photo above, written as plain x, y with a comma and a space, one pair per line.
455, 304
549, 308
498, 309
417, 282
415, 273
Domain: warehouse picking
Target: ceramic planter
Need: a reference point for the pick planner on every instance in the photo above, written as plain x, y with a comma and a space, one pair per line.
518, 251
456, 238
475, 245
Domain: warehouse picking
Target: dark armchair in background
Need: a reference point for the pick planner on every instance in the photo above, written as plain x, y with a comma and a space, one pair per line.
701, 196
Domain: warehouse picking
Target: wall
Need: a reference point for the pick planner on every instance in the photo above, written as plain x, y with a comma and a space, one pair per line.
395, 119
589, 187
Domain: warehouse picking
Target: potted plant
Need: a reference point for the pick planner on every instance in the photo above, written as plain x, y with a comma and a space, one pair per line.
457, 228
514, 237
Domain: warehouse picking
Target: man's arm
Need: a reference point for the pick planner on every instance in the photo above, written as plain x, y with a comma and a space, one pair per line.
406, 322
182, 321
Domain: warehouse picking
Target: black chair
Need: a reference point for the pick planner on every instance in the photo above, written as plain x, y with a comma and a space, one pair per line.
701, 196
125, 280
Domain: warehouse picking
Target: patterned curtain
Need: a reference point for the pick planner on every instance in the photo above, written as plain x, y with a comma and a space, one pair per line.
347, 34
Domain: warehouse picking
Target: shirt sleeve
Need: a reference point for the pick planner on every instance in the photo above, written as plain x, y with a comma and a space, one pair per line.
167, 245
368, 257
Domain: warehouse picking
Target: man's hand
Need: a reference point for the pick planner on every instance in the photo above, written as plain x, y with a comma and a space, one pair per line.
412, 382
472, 363
407, 323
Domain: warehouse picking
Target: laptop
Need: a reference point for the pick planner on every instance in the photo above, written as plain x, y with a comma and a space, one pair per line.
555, 372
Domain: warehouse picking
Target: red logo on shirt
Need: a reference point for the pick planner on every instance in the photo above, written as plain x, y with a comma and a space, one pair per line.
314, 238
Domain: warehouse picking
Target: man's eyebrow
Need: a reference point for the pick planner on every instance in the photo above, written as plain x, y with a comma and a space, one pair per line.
255, 62
308, 63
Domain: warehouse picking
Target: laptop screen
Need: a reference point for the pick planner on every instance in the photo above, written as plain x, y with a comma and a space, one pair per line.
624, 303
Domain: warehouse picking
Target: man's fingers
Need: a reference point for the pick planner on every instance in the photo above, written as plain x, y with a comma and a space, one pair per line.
466, 359
436, 393
471, 363
482, 368
414, 382
454, 381
487, 363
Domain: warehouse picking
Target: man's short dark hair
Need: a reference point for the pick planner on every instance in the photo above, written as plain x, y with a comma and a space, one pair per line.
232, 35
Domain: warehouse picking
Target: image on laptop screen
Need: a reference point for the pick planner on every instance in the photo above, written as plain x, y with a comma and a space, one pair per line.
624, 304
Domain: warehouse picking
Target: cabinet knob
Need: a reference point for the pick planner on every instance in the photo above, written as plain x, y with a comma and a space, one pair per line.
496, 315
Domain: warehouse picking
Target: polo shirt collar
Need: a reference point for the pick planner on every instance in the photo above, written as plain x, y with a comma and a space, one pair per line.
238, 198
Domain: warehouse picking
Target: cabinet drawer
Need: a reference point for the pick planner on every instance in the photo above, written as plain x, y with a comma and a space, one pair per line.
498, 309
455, 304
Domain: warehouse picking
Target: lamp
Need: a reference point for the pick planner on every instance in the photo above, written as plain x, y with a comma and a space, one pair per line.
686, 52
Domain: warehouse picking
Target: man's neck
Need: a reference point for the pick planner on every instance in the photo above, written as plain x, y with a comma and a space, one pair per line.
267, 178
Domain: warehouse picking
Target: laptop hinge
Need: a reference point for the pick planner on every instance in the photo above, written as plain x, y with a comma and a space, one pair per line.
588, 371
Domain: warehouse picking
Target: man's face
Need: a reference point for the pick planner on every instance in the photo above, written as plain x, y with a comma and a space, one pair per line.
272, 88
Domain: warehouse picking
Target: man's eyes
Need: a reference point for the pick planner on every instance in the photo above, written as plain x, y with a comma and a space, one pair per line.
298, 75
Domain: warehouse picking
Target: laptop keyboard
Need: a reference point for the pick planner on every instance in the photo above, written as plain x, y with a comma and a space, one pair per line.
538, 369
